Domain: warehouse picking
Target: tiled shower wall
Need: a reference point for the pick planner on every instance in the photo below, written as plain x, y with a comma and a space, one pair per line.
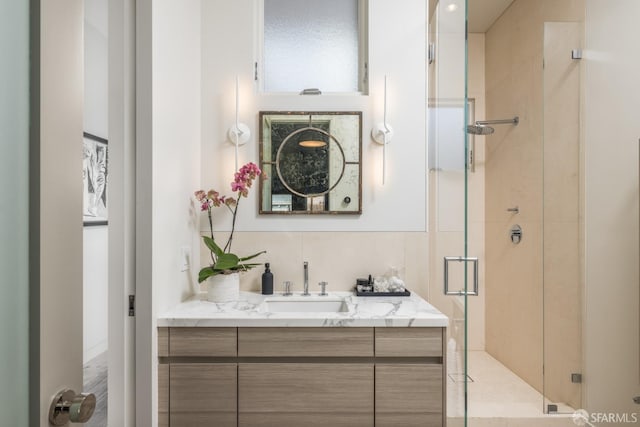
535, 166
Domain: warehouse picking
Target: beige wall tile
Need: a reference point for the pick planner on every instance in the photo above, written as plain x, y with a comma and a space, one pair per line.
561, 122
340, 258
533, 166
337, 258
284, 253
514, 300
562, 311
417, 264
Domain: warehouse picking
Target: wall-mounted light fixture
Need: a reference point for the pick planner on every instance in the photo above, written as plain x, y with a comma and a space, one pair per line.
239, 133
382, 133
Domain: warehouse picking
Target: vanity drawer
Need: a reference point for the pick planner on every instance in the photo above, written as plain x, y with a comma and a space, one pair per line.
305, 342
409, 342
202, 342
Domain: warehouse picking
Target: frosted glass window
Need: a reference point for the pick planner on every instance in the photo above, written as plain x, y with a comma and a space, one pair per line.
313, 44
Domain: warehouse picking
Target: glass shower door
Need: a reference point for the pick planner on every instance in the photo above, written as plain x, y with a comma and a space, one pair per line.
455, 269
505, 209
562, 296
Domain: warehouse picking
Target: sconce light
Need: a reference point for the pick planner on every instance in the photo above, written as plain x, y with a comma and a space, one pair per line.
382, 133
239, 133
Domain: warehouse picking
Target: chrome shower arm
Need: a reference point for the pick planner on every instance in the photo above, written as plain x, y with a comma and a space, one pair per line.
513, 121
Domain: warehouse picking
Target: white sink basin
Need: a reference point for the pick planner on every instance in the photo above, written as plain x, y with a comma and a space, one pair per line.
305, 305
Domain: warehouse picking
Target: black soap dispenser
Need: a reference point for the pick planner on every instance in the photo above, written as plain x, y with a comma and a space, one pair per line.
267, 281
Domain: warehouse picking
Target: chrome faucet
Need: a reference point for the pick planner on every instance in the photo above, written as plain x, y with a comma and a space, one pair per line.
323, 287
306, 279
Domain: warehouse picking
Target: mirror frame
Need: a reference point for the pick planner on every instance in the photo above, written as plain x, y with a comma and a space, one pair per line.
262, 161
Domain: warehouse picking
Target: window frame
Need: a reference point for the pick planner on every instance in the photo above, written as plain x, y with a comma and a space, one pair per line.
363, 54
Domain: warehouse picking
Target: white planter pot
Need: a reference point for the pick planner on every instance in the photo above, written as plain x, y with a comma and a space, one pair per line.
223, 287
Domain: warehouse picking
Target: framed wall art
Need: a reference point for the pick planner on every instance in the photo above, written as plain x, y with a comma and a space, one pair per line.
95, 166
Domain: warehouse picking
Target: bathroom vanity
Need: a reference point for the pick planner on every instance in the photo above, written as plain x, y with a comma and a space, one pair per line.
259, 362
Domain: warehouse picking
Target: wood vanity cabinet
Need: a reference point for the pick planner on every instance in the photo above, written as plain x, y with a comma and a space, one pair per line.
409, 394
337, 377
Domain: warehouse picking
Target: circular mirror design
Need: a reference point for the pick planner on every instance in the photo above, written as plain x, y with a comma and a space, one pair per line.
312, 161
303, 159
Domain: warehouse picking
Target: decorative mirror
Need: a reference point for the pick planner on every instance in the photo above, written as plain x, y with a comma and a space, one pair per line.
312, 161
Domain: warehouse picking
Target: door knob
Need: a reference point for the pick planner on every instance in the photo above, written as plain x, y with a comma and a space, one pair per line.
68, 406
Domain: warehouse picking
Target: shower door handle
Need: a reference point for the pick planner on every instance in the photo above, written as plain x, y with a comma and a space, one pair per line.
449, 259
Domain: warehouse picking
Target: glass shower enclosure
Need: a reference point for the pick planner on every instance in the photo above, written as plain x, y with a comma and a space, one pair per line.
504, 207
455, 267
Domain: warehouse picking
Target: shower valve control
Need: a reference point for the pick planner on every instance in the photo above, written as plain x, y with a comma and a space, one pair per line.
516, 234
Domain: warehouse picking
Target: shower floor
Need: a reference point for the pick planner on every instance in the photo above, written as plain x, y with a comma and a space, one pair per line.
497, 396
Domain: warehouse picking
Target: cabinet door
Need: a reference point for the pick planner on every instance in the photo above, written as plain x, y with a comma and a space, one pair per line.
203, 394
409, 395
305, 394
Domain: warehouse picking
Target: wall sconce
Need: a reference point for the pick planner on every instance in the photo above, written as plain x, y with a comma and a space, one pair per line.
382, 133
239, 133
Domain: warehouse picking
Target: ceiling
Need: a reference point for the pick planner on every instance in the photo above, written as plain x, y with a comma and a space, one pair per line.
483, 13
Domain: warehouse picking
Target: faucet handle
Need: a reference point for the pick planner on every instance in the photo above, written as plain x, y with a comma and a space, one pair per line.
287, 288
323, 287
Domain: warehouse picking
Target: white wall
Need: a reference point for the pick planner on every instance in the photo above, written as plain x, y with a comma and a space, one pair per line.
611, 133
176, 145
399, 206
397, 35
198, 48
96, 68
95, 292
95, 249
175, 168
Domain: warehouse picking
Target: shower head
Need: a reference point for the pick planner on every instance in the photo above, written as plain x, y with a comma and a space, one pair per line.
480, 130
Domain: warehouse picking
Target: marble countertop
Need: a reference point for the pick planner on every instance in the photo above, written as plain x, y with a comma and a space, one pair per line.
250, 310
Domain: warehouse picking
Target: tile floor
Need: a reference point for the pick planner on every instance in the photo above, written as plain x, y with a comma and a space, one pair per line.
95, 381
497, 396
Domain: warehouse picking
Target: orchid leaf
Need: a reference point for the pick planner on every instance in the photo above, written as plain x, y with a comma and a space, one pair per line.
226, 261
213, 247
252, 256
205, 273
247, 267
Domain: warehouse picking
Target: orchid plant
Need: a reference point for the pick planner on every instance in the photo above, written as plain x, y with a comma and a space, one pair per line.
222, 260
